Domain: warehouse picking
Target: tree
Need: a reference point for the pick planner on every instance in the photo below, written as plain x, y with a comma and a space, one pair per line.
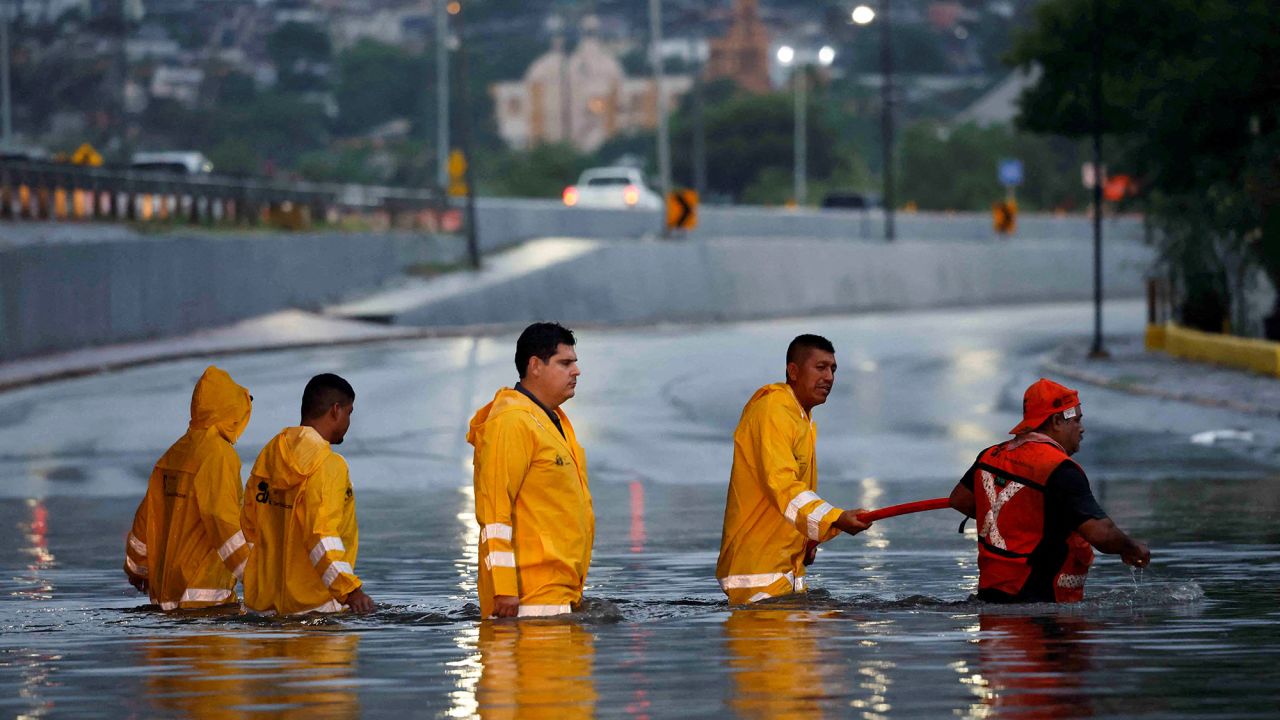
748, 134
301, 53
954, 168
1191, 89
377, 83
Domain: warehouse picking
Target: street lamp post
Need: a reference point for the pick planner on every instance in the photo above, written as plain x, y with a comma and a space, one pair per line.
886, 118
660, 101
787, 56
442, 94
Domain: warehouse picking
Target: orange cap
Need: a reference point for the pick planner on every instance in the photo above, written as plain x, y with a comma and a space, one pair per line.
1042, 399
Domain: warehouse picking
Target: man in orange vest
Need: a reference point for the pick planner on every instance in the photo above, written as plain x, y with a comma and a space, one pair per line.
1038, 521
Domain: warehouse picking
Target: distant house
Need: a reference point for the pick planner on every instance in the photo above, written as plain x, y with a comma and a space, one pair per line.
151, 42
999, 105
181, 84
583, 97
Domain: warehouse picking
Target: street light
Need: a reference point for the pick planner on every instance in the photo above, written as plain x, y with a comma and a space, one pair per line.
787, 56
862, 15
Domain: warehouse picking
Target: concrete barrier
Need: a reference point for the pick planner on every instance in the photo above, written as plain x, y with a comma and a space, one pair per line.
66, 295
646, 281
503, 222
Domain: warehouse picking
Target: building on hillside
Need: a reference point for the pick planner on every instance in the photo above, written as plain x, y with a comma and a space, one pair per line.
583, 97
999, 105
180, 84
742, 55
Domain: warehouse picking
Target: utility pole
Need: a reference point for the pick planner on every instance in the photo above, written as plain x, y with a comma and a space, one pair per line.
1097, 351
5, 96
464, 137
801, 189
886, 117
699, 135
664, 141
442, 94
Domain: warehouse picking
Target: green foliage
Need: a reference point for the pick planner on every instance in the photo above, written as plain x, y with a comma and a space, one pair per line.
749, 134
955, 168
377, 83
1192, 88
234, 156
301, 53
543, 171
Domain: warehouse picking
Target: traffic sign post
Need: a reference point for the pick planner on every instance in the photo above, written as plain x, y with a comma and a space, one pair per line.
457, 174
682, 209
1004, 214
1010, 172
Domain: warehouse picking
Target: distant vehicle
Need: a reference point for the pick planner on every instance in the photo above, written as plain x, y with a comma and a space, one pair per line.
846, 200
23, 154
612, 187
177, 162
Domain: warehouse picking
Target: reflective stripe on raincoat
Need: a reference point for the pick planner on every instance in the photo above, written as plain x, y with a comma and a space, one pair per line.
185, 539
300, 515
533, 504
773, 506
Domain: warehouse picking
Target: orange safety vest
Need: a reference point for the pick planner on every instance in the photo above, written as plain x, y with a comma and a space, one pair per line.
1009, 484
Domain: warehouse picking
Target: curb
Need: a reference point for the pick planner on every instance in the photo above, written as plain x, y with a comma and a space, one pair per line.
1049, 363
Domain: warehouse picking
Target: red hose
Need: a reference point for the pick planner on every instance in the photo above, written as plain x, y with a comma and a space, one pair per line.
904, 509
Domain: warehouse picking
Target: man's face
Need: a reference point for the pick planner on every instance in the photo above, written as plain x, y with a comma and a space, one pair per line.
1072, 432
812, 377
557, 378
342, 420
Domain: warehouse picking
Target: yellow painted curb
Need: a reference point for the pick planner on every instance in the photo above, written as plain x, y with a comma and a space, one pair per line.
1155, 337
1260, 356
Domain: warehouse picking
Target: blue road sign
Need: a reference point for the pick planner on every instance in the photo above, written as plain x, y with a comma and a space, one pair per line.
1010, 172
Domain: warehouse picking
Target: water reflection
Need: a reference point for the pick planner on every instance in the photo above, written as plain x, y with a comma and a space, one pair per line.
309, 674
536, 669
779, 663
1031, 668
35, 535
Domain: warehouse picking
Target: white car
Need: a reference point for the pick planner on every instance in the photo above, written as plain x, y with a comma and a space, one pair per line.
612, 187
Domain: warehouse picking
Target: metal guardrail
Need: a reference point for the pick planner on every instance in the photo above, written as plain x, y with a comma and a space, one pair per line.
54, 191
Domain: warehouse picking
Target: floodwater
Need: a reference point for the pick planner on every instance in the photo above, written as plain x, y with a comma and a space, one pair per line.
889, 631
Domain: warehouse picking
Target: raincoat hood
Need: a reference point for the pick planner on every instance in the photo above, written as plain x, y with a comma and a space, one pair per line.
292, 456
505, 400
218, 402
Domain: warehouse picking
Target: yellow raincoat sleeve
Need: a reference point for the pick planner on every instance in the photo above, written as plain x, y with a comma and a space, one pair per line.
502, 461
322, 516
249, 514
789, 492
135, 547
218, 495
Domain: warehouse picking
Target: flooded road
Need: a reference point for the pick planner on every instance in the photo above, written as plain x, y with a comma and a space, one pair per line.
889, 631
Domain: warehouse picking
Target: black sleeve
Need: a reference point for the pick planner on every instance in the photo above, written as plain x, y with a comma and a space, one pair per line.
1069, 495
967, 480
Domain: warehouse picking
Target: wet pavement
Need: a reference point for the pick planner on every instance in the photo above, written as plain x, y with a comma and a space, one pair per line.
889, 632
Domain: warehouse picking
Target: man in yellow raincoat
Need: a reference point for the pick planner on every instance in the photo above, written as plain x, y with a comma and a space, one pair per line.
774, 518
532, 499
300, 512
185, 547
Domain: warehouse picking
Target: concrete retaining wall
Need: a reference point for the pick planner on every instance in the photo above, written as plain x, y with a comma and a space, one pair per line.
62, 296
504, 222
638, 281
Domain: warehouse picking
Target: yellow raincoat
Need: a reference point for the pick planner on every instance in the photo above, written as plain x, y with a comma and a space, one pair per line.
186, 540
533, 506
773, 506
300, 515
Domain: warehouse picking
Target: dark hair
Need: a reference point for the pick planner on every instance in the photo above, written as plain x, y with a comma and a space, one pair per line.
540, 340
322, 392
799, 348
